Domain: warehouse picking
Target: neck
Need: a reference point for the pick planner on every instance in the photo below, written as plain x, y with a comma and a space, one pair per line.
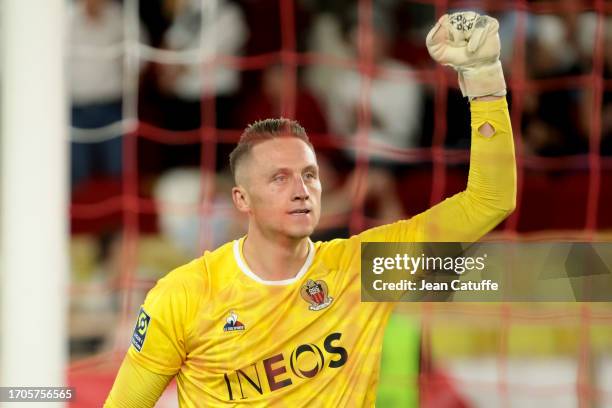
274, 259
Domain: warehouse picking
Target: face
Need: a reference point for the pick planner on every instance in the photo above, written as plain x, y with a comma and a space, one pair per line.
279, 187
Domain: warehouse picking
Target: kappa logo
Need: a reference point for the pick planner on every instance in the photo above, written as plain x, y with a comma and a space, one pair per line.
232, 323
316, 293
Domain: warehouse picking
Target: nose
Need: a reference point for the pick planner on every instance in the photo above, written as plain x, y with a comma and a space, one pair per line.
300, 191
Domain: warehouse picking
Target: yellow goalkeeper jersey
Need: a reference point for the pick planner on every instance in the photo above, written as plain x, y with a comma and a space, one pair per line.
230, 337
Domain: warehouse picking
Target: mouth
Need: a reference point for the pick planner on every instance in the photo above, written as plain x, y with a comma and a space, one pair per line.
300, 211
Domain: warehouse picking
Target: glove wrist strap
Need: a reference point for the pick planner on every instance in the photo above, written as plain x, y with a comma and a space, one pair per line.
484, 80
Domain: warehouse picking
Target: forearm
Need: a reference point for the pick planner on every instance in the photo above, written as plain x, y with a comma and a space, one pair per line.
492, 177
486, 129
491, 189
135, 386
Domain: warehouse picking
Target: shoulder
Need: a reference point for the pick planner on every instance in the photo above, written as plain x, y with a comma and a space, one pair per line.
201, 271
184, 284
187, 274
337, 249
221, 255
337, 244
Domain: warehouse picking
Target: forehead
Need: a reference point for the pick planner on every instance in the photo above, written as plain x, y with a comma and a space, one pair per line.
282, 152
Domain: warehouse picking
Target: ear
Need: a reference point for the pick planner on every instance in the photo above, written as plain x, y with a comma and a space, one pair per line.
241, 199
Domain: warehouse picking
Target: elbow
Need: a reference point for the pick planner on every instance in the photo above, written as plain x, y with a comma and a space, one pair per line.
511, 205
507, 208
511, 201
495, 208
496, 215
507, 201
497, 212
507, 212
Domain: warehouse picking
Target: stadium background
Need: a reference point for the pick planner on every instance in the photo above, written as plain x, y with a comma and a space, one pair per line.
149, 183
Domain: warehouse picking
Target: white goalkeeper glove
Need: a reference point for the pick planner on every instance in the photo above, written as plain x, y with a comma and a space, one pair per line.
470, 44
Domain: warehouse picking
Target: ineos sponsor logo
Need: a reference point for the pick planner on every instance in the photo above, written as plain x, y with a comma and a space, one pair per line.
279, 372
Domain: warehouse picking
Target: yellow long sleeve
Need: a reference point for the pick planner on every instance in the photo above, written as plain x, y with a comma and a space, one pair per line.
490, 195
135, 386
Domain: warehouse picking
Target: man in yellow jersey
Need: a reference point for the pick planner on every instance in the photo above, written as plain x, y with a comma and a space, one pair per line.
274, 319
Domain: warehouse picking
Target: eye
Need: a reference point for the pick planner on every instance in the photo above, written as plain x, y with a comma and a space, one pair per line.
310, 175
279, 178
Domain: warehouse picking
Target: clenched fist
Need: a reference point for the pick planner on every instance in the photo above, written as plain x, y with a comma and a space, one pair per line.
470, 44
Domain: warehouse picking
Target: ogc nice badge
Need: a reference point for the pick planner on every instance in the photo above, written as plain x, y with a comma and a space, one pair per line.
316, 293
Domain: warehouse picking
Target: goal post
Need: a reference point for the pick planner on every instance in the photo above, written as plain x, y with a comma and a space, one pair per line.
33, 194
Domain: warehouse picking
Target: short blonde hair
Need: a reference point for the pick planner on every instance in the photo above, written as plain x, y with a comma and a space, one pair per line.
263, 130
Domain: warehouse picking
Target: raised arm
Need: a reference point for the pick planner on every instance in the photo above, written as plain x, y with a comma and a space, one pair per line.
470, 44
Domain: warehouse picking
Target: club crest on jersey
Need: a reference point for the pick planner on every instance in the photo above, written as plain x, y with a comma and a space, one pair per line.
232, 323
316, 293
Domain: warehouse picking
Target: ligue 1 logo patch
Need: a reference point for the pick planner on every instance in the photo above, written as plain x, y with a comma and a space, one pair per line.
232, 323
140, 331
316, 293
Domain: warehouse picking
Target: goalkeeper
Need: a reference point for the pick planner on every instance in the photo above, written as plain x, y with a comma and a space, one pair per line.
273, 319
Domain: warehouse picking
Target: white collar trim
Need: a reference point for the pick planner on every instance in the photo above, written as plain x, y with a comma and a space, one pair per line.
247, 271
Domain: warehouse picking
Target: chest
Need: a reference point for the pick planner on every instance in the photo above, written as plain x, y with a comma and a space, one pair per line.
249, 323
257, 341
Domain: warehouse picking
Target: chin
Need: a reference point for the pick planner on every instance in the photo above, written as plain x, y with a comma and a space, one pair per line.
301, 234
299, 230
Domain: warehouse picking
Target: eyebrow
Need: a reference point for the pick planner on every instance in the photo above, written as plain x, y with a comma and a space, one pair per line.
310, 167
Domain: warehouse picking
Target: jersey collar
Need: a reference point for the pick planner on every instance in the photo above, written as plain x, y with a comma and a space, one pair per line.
247, 271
